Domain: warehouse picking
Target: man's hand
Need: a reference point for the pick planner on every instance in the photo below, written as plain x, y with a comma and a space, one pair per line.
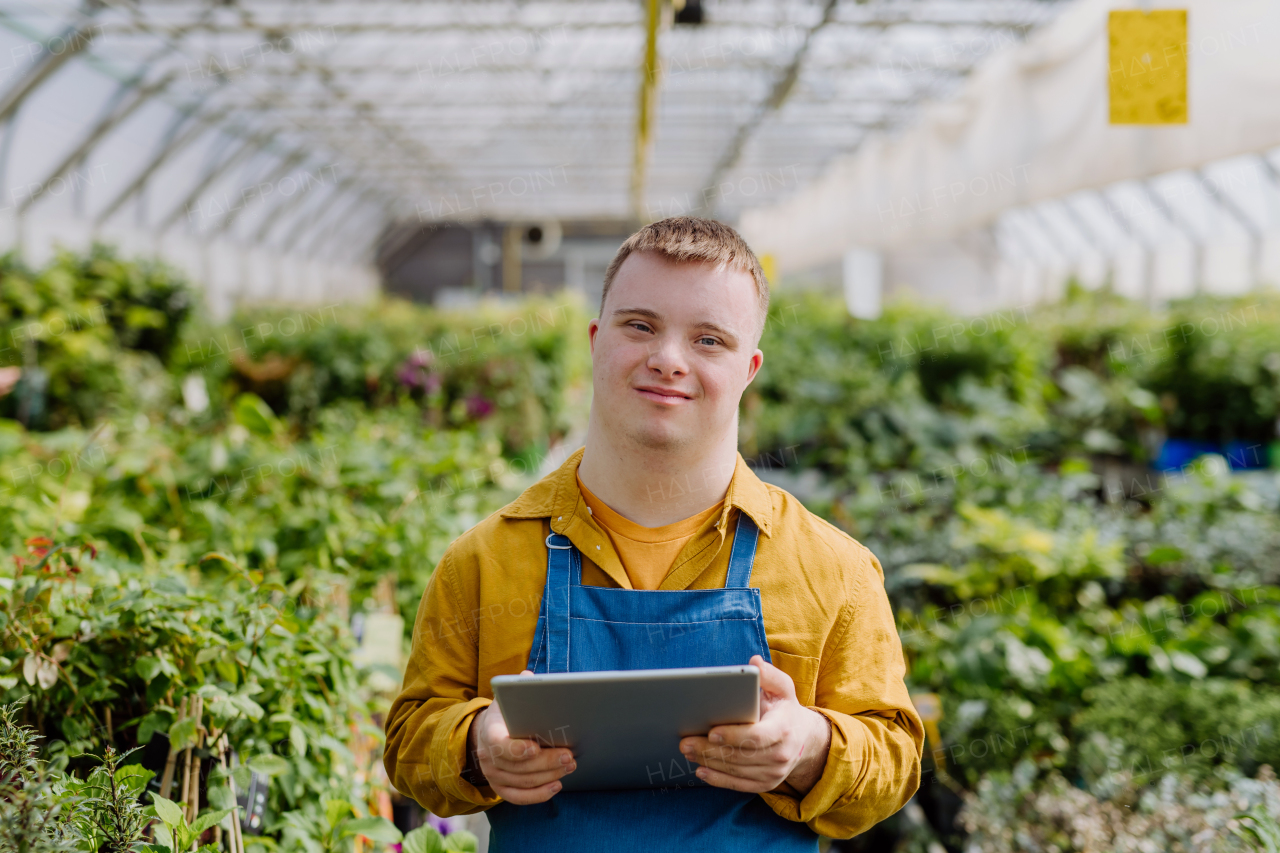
790, 743
519, 771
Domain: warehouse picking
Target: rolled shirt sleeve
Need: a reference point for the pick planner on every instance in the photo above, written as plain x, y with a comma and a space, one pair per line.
428, 723
877, 738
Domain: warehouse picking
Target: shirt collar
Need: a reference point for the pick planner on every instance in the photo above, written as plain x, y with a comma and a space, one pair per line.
556, 497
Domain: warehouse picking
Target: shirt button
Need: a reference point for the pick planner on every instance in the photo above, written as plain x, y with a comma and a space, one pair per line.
561, 518
597, 547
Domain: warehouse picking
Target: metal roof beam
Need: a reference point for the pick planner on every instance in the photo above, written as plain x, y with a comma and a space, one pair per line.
175, 143
76, 38
407, 29
238, 155
356, 227
319, 234
113, 118
283, 168
782, 89
309, 218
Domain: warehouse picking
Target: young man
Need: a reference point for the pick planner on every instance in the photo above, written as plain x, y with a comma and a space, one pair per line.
652, 510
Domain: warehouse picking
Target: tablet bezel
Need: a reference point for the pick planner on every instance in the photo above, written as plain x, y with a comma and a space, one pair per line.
634, 717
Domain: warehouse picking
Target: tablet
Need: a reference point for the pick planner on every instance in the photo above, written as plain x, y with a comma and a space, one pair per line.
624, 727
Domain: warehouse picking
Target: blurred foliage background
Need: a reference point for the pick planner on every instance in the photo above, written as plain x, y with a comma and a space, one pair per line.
1076, 508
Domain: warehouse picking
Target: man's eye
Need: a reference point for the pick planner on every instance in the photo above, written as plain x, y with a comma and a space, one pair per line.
708, 341
644, 327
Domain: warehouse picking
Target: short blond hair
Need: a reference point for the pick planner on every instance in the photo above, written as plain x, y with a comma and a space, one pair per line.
693, 240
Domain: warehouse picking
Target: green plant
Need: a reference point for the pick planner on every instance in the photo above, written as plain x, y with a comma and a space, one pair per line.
272, 667
174, 834
1259, 830
110, 817
1221, 380
18, 747
333, 828
427, 839
1146, 728
499, 370
1019, 811
86, 329
33, 818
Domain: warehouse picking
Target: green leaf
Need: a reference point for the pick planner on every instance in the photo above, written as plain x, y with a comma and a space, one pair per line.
374, 828
208, 819
220, 797
165, 837
298, 740
156, 721
242, 776
67, 626
168, 811
462, 841
424, 839
182, 734
247, 706
255, 415
226, 668
1163, 554
335, 810
133, 777
129, 770
269, 765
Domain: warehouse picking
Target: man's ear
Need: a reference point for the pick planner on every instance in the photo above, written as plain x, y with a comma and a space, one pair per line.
753, 366
592, 328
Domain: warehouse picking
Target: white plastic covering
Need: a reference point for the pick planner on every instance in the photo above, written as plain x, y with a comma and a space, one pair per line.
303, 128
1031, 125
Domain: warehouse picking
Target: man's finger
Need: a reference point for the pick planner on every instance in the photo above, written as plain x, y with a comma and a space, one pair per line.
765, 774
494, 726
762, 734
528, 781
546, 759
774, 680
508, 748
529, 796
520, 749
702, 751
733, 783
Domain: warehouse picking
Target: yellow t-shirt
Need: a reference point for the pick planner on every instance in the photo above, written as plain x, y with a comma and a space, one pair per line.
647, 553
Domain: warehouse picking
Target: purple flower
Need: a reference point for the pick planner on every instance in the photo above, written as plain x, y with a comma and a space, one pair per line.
444, 825
479, 407
416, 372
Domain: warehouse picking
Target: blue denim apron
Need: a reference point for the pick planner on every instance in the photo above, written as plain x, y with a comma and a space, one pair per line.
588, 628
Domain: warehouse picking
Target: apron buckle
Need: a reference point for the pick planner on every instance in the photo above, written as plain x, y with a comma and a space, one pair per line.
557, 547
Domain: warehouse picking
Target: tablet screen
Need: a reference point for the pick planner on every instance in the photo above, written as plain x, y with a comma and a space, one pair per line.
624, 727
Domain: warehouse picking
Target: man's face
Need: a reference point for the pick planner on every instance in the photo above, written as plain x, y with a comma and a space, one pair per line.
673, 351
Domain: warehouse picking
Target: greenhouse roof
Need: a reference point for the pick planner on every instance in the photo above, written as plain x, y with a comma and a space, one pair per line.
310, 126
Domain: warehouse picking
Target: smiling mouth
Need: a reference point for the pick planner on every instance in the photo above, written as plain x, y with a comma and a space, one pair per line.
664, 396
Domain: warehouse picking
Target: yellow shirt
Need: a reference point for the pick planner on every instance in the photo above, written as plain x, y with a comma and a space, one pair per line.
827, 619
647, 553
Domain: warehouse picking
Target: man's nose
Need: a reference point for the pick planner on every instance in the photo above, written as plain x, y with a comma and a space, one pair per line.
667, 357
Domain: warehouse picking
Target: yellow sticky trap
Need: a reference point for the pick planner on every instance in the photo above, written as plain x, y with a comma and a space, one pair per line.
1148, 66
768, 268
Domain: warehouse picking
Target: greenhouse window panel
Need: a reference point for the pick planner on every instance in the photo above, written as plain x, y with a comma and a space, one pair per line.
437, 111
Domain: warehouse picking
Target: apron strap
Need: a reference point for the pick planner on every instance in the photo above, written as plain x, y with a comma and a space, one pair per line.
743, 555
562, 569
